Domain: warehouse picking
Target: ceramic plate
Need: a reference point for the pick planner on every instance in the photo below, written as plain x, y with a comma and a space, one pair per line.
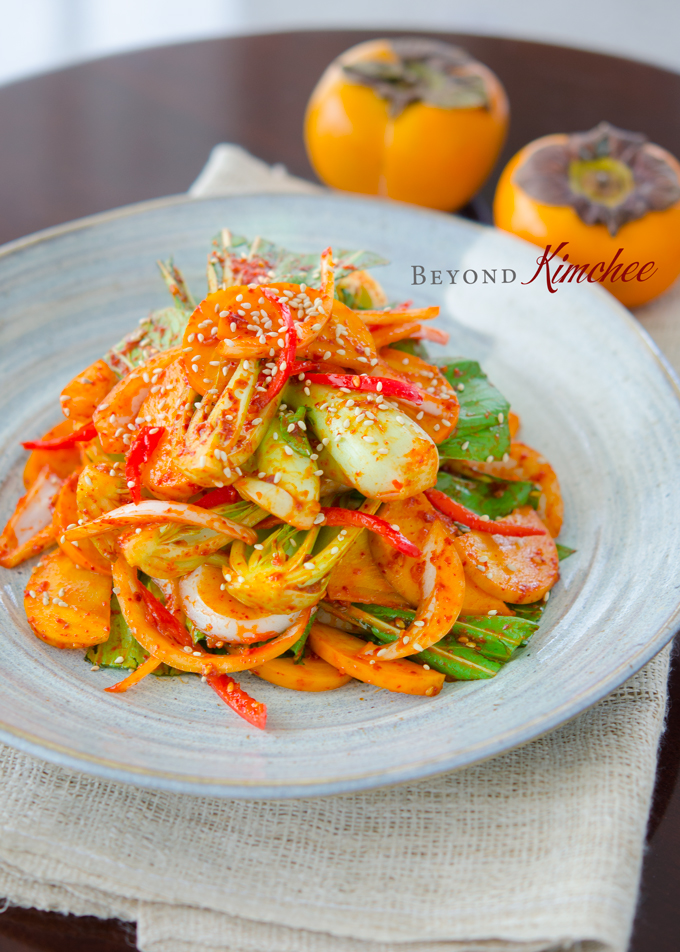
592, 393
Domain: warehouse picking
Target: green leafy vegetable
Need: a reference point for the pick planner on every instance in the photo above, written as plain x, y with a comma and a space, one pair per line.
531, 612
295, 438
479, 433
293, 267
299, 646
487, 495
563, 551
121, 644
474, 649
409, 345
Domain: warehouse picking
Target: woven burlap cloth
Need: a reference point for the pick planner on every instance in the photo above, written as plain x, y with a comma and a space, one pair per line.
539, 849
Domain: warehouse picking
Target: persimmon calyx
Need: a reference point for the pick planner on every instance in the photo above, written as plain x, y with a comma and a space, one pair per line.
425, 71
608, 176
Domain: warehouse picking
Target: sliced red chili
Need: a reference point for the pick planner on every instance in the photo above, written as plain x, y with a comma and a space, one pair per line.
223, 496
82, 435
383, 385
139, 453
164, 620
466, 517
335, 516
286, 359
236, 698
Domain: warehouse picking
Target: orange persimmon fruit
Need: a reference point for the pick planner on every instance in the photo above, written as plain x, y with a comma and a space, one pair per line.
599, 191
411, 119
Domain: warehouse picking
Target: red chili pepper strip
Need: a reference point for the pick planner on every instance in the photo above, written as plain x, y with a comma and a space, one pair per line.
218, 497
335, 516
164, 620
466, 517
139, 453
286, 362
236, 698
382, 385
82, 435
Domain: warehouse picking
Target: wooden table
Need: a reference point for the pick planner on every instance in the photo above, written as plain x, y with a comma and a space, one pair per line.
141, 125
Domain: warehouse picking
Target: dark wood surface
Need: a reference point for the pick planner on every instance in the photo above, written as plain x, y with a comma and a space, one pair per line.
141, 125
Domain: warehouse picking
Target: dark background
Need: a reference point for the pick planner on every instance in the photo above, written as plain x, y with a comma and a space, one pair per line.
141, 125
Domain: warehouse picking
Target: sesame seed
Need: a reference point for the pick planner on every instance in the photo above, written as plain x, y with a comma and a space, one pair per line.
277, 478
287, 450
461, 387
426, 667
318, 472
489, 459
186, 649
493, 611
420, 415
191, 338
196, 654
95, 667
309, 565
419, 624
417, 647
465, 445
500, 417
119, 660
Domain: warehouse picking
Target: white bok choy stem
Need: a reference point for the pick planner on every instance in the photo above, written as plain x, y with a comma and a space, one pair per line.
368, 443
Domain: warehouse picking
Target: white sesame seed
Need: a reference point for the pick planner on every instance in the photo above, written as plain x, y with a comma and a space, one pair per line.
277, 478
419, 624
493, 611
119, 660
186, 649
309, 565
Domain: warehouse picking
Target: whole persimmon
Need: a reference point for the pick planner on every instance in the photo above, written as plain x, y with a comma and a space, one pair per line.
412, 119
611, 195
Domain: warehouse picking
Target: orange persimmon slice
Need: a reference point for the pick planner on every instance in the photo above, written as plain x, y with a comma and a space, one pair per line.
67, 606
312, 674
343, 651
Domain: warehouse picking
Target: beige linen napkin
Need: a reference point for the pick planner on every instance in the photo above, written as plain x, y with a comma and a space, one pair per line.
536, 850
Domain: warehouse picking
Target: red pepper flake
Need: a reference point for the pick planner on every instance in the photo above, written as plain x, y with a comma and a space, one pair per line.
218, 497
139, 453
286, 361
335, 516
236, 698
466, 517
82, 435
382, 385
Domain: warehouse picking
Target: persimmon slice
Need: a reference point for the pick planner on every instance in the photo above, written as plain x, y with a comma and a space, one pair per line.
67, 606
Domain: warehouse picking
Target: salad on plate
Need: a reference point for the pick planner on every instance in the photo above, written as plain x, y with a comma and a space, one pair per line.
279, 480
